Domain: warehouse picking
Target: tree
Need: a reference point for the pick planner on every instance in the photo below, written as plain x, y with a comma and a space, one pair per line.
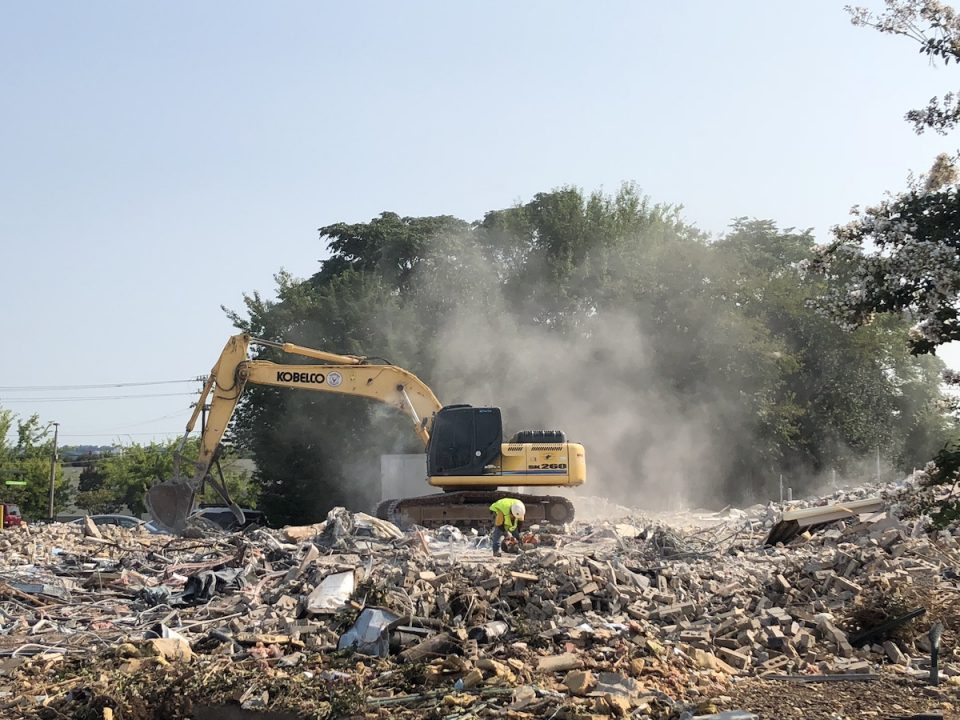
128, 473
902, 255
29, 461
935, 26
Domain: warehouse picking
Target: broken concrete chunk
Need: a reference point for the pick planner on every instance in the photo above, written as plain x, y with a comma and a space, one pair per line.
498, 670
708, 661
472, 679
560, 663
171, 649
302, 533
579, 682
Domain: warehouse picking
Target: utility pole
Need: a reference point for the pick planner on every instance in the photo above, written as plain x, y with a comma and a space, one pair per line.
53, 468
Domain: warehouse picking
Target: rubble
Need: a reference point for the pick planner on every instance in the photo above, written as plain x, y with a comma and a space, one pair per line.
622, 617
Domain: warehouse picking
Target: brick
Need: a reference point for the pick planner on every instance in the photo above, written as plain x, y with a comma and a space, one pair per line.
781, 644
776, 663
529, 577
695, 636
845, 584
829, 632
736, 658
686, 608
804, 641
709, 661
789, 625
773, 632
894, 654
726, 626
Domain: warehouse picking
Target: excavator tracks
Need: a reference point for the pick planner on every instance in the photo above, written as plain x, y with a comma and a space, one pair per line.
471, 509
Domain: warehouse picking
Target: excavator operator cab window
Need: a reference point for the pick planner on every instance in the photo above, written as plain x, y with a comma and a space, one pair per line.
464, 440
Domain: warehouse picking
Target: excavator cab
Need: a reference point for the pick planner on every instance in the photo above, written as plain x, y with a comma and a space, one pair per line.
464, 440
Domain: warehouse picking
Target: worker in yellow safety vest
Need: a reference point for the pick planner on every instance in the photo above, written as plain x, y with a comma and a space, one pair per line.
508, 514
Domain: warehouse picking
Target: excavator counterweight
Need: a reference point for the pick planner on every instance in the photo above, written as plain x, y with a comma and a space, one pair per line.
466, 455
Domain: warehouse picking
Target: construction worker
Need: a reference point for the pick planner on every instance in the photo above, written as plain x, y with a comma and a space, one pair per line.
508, 518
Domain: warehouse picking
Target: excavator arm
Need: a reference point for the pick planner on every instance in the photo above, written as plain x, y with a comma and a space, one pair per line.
171, 501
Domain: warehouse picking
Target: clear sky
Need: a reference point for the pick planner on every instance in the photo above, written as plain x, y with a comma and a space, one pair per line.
159, 160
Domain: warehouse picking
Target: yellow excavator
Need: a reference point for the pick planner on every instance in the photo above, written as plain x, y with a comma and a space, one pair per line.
466, 455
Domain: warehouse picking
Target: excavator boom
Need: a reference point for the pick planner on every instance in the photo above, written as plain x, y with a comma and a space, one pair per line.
171, 502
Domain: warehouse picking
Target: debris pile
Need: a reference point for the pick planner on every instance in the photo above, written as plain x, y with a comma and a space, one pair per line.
633, 617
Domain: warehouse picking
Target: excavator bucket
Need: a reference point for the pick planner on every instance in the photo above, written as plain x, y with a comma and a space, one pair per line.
170, 503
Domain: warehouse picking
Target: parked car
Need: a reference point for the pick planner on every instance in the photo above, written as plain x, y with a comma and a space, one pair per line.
10, 515
222, 517
151, 526
125, 521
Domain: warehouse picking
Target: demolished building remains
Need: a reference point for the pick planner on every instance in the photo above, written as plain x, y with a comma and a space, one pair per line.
692, 616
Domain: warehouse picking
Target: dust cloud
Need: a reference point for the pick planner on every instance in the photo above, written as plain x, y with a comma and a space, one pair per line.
644, 447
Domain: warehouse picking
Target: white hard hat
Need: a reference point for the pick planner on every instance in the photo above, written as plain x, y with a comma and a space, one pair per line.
518, 510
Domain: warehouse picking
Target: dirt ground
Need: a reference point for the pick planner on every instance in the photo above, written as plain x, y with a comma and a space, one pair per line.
890, 696
210, 691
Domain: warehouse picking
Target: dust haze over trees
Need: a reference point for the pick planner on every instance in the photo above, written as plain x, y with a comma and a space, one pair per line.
692, 369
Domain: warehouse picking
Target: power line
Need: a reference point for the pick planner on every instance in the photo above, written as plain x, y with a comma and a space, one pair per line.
89, 398
119, 434
44, 388
179, 414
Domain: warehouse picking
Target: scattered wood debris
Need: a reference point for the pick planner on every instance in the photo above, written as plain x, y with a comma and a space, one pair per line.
629, 617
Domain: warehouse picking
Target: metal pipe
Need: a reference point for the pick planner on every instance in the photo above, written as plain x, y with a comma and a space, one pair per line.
935, 632
410, 408
292, 349
53, 469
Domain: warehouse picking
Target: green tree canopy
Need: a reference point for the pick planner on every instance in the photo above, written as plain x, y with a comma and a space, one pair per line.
29, 460
117, 482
